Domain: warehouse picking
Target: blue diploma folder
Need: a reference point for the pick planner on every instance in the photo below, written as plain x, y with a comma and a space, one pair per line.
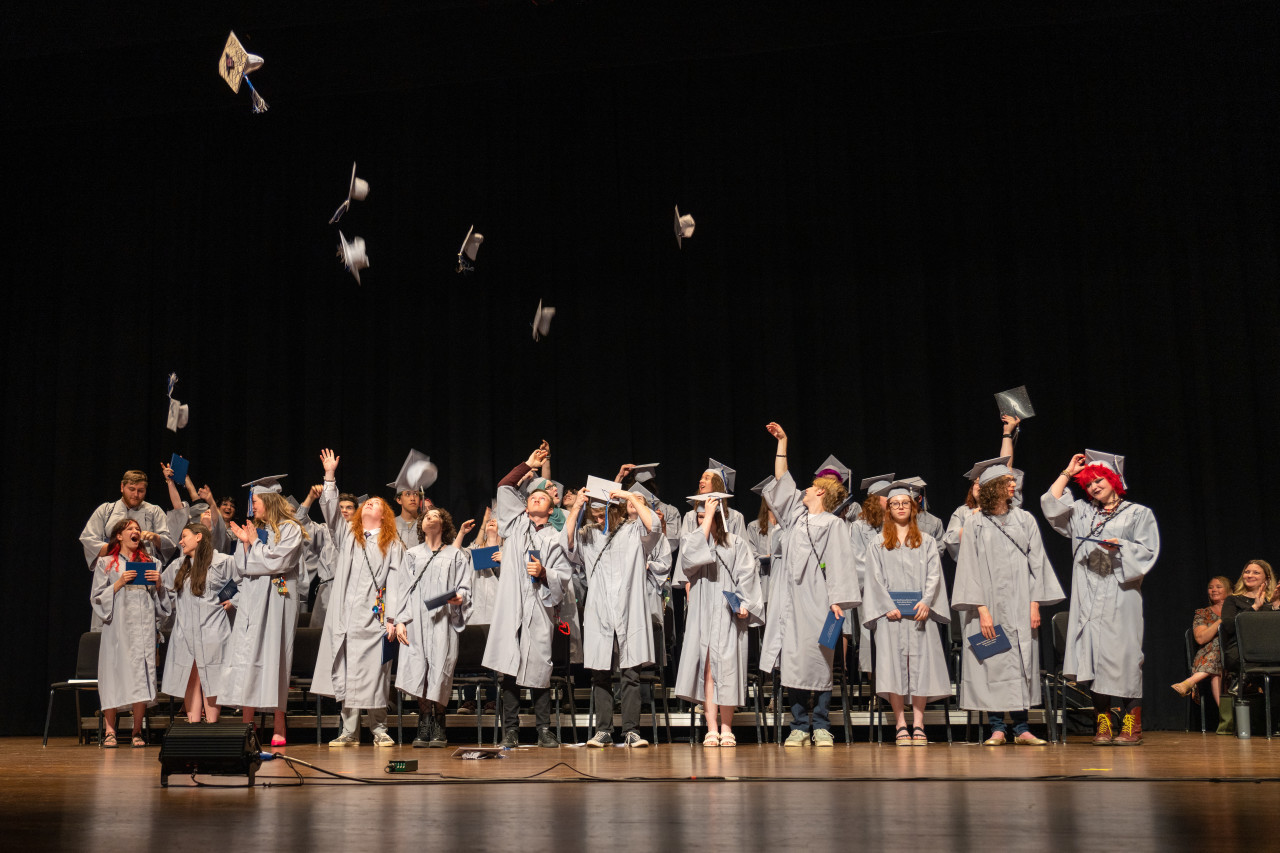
984, 648
390, 649
905, 602
483, 558
179, 466
228, 591
534, 555
141, 569
262, 535
735, 601
1099, 541
831, 631
440, 600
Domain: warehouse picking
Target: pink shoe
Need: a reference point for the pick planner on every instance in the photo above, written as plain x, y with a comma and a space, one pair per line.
277, 740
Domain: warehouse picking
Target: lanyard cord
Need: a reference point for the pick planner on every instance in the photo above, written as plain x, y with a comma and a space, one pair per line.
1095, 526
816, 553
423, 573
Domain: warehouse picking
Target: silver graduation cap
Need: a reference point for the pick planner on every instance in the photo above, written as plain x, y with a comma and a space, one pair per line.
353, 255
357, 190
542, 320
467, 254
683, 226
418, 472
1015, 402
178, 411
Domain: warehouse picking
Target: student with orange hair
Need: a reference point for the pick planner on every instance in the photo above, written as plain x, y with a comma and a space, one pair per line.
351, 665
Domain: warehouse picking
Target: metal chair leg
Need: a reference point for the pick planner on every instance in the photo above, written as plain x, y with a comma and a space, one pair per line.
1266, 699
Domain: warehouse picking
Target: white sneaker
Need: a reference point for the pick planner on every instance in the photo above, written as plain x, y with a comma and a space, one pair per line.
382, 739
600, 739
634, 741
345, 739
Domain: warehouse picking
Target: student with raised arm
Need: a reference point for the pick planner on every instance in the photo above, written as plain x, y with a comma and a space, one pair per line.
1002, 580
903, 602
713, 660
261, 651
96, 541
351, 665
820, 579
955, 526
197, 661
428, 629
1114, 543
127, 614
527, 608
610, 551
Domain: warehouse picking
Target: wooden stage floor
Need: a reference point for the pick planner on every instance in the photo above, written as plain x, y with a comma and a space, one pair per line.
1176, 791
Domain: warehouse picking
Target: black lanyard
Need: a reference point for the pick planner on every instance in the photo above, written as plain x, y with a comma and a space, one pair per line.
1096, 528
376, 586
423, 573
998, 526
821, 563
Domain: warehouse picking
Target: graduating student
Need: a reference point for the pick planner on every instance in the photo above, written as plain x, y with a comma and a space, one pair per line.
910, 660
1114, 543
261, 651
196, 661
660, 561
410, 502
713, 660
351, 665
820, 579
429, 634
717, 478
864, 531
1002, 580
610, 551
527, 610
128, 615
95, 538
484, 590
765, 539
955, 526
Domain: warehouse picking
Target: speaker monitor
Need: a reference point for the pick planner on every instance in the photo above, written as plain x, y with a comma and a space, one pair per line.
217, 749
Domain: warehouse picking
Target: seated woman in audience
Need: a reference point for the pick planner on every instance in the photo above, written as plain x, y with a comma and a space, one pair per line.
1208, 658
194, 665
1256, 590
127, 656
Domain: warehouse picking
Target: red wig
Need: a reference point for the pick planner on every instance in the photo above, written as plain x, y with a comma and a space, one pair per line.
1092, 472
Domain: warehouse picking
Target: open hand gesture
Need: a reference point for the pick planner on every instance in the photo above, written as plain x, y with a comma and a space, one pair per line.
330, 462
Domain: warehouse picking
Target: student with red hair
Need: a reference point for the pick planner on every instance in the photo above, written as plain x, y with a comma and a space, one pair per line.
127, 656
1114, 543
350, 665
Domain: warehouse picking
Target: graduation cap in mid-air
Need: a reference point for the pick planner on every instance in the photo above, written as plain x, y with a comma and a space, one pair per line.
353, 255
470, 246
683, 227
357, 190
236, 64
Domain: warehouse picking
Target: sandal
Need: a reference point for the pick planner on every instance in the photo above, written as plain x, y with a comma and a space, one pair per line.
109, 741
902, 737
138, 740
918, 737
728, 740
712, 739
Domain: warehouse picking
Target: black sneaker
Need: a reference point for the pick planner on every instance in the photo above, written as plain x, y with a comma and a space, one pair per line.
547, 738
635, 741
600, 739
423, 738
511, 738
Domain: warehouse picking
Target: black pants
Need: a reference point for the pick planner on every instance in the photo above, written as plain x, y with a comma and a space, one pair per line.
602, 696
511, 704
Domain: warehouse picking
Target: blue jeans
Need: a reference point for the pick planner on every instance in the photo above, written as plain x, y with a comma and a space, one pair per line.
1020, 725
800, 721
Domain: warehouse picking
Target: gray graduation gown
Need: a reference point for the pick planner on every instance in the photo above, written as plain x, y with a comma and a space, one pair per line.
930, 525
764, 545
1104, 634
261, 651
408, 535
863, 536
349, 664
658, 579
98, 527
318, 560
805, 591
1005, 578
711, 631
951, 539
614, 568
127, 656
426, 665
524, 613
201, 629
910, 660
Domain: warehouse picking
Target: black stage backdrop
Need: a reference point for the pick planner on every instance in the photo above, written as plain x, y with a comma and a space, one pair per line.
899, 213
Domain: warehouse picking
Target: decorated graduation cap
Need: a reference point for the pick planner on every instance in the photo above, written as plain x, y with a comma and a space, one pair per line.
1109, 466
353, 255
417, 473
542, 320
357, 190
470, 246
1015, 402
990, 469
178, 411
262, 486
833, 467
235, 66
727, 474
877, 485
683, 227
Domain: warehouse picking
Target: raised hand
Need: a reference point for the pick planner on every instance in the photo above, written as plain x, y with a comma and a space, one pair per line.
1010, 423
330, 462
776, 431
1076, 465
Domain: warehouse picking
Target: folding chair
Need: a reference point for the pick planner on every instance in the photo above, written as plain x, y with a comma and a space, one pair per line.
1258, 642
306, 647
85, 678
469, 670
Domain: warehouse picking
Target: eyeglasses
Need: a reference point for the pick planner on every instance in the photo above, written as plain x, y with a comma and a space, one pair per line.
899, 504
